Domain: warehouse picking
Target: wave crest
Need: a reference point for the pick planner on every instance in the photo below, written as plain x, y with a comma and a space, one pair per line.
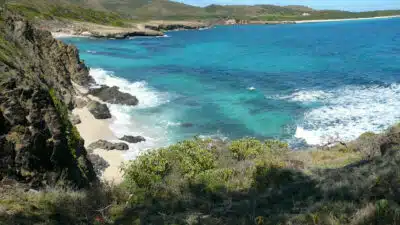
348, 112
147, 96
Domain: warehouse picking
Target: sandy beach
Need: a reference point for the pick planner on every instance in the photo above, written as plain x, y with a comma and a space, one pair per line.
91, 130
338, 20
64, 35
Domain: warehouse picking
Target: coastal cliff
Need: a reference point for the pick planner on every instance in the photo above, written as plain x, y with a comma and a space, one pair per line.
38, 144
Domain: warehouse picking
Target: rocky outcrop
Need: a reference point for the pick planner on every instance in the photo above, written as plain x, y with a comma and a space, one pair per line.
122, 34
75, 119
38, 144
176, 26
106, 145
99, 164
98, 110
242, 22
132, 139
114, 96
80, 102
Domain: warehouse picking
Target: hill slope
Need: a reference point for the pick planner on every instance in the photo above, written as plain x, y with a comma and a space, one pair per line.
38, 144
165, 9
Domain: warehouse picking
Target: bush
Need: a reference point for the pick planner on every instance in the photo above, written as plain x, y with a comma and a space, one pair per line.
186, 159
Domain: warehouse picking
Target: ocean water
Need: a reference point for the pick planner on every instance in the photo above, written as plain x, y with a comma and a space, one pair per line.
303, 83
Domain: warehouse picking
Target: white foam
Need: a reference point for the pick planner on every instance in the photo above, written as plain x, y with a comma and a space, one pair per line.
128, 120
251, 88
90, 51
348, 112
147, 96
307, 96
141, 37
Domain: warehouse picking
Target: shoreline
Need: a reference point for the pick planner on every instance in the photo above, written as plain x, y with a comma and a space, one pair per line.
91, 130
349, 19
120, 33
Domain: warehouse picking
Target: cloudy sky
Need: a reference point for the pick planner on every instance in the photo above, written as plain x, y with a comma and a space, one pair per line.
353, 5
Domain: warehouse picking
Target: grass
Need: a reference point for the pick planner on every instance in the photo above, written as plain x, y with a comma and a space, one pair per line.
121, 14
326, 14
70, 131
70, 12
246, 181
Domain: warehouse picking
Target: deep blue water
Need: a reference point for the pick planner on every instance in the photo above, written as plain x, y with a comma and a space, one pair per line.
310, 81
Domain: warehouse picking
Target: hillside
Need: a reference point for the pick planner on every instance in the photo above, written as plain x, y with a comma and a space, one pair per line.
125, 12
46, 177
38, 144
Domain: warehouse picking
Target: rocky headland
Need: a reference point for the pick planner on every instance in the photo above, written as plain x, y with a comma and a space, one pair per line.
39, 145
43, 111
62, 28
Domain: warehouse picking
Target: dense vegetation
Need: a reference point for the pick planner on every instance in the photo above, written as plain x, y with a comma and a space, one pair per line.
72, 12
245, 181
328, 14
112, 12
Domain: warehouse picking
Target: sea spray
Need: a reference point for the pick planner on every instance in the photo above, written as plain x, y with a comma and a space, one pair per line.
347, 112
128, 120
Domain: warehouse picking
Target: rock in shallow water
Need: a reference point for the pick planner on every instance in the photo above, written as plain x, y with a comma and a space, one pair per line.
132, 139
98, 110
106, 145
114, 96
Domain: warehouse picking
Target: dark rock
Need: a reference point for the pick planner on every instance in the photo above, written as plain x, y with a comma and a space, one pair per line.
187, 125
113, 95
75, 119
132, 139
80, 103
36, 92
99, 163
106, 145
98, 110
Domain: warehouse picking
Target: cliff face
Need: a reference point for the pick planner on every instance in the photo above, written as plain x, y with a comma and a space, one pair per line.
38, 144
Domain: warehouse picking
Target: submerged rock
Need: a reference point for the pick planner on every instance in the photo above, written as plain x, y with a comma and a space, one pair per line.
132, 139
106, 145
187, 125
98, 110
114, 96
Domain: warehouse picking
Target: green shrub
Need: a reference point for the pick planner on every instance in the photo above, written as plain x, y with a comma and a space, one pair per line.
246, 148
71, 132
186, 159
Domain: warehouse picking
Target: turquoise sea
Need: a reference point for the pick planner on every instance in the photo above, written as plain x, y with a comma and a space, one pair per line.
304, 83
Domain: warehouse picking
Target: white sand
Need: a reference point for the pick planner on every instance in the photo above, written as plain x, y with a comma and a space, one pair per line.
91, 130
115, 158
63, 35
334, 20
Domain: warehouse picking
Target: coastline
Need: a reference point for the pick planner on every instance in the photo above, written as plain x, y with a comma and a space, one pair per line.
350, 19
91, 130
155, 29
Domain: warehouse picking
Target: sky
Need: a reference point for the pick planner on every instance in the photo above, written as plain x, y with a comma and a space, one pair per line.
350, 5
